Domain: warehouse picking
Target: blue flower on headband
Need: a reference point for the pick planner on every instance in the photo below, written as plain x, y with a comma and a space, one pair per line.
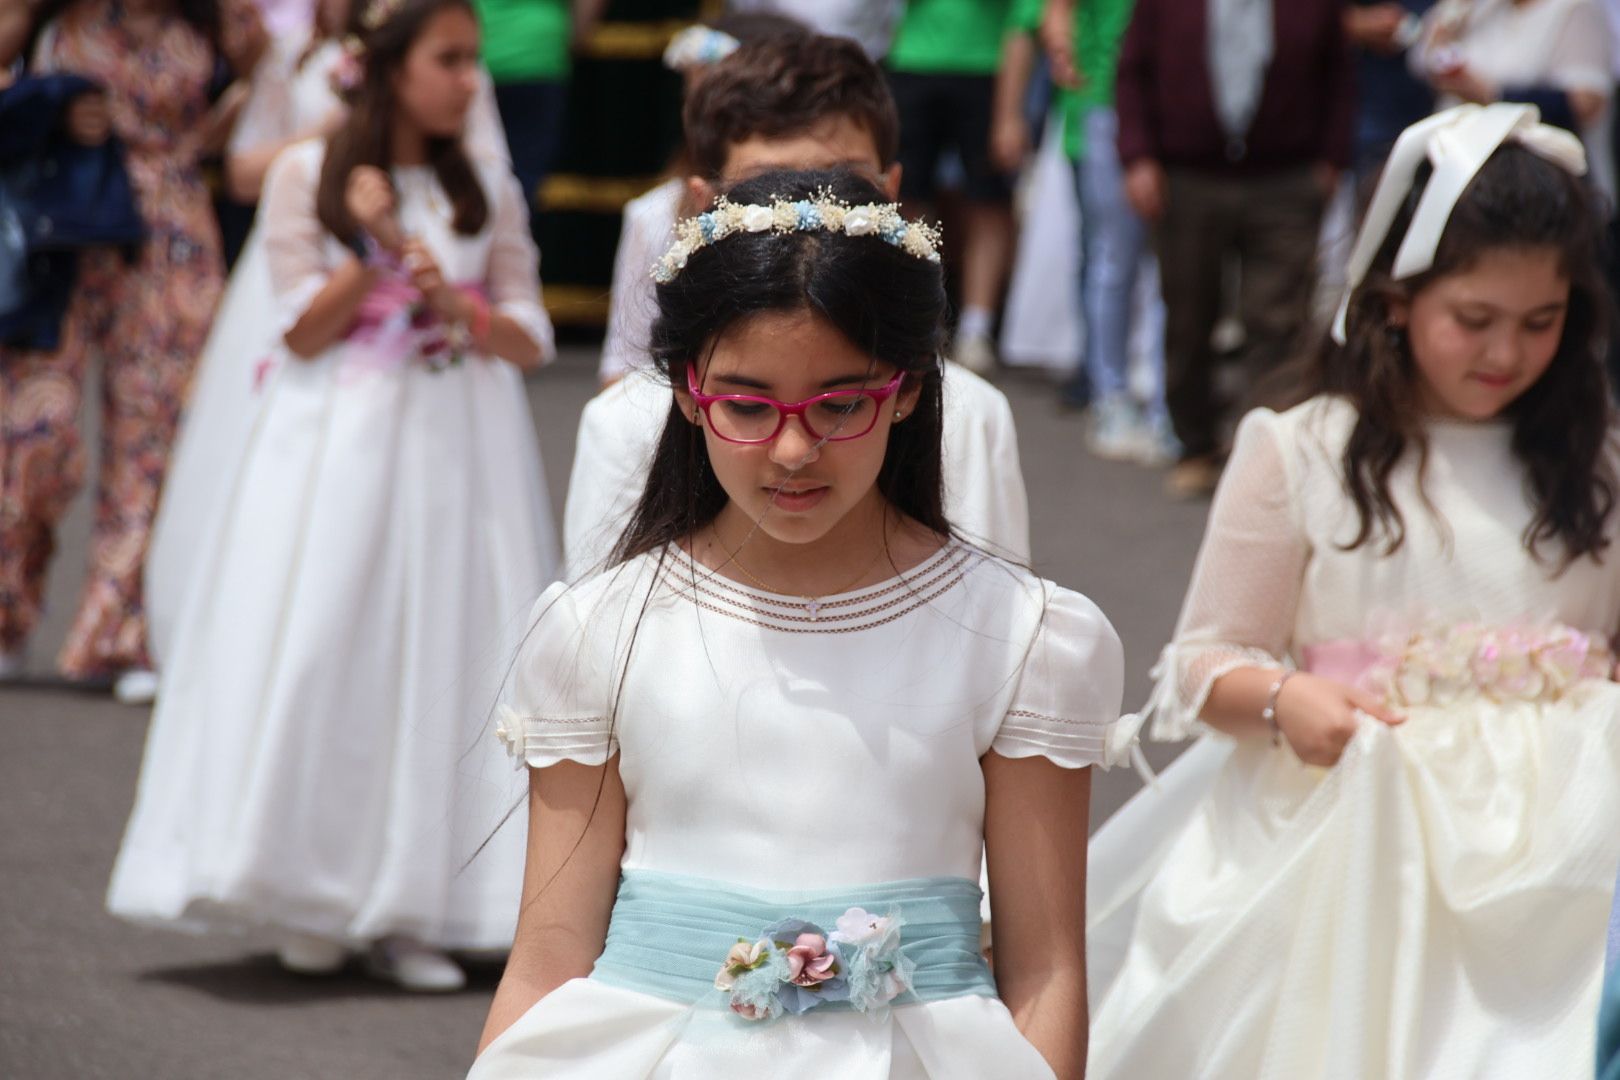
706, 223
895, 234
809, 216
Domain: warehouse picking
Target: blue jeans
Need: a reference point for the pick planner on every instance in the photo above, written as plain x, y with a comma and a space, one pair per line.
1115, 254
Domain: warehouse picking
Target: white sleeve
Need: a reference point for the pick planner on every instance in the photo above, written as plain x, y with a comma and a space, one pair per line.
985, 498
618, 434
1066, 706
514, 264
294, 239
633, 303
267, 117
1580, 53
1240, 606
558, 705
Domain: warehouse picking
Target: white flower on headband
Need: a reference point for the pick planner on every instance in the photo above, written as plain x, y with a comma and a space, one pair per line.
378, 12
698, 46
1457, 143
758, 218
823, 213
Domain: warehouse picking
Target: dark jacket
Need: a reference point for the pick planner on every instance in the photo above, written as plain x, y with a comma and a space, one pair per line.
67, 198
1167, 107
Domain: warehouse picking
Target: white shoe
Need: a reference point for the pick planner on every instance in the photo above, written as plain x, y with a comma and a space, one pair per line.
1115, 433
975, 352
1159, 445
306, 954
415, 966
137, 686
13, 664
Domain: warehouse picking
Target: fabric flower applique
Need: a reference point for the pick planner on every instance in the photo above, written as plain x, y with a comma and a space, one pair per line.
796, 966
1511, 663
509, 730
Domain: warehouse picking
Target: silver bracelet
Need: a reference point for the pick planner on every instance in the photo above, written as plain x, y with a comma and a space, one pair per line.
1269, 713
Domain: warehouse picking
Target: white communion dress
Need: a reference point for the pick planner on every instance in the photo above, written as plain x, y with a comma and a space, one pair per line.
318, 759
783, 761
1433, 905
291, 94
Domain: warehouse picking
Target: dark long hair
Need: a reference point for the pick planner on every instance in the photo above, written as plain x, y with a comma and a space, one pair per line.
366, 135
889, 304
1521, 201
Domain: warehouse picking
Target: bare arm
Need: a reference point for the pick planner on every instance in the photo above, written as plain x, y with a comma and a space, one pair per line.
576, 839
1009, 131
332, 312
1035, 826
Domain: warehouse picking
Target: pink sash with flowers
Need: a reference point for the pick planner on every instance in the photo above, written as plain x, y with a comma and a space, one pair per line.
1501, 663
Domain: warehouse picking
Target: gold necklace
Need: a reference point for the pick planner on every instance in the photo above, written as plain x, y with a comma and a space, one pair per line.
812, 604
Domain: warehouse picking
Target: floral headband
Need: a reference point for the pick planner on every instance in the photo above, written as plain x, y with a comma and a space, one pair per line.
1457, 142
824, 213
350, 69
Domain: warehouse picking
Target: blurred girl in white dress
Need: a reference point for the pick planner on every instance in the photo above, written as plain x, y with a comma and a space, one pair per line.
314, 764
1392, 851
297, 93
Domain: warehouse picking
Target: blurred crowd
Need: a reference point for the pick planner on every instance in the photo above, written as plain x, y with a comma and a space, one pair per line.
1138, 195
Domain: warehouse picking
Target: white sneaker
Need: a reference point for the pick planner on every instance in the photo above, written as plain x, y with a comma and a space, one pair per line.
415, 966
137, 686
1159, 446
1115, 433
975, 352
306, 954
13, 664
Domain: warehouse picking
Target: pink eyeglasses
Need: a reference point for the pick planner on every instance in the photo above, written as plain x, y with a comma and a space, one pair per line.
835, 417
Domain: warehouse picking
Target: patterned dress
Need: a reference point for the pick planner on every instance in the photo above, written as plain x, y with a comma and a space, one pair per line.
146, 322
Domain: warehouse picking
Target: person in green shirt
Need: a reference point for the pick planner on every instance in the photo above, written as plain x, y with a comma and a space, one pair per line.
1082, 40
526, 49
942, 70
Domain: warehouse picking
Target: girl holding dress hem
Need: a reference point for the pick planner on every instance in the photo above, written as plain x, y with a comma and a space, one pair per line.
313, 764
768, 745
1390, 853
297, 94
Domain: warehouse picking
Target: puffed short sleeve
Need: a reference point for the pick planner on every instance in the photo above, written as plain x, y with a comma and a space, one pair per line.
558, 703
1067, 703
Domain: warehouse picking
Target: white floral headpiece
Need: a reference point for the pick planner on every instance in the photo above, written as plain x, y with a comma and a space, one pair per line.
825, 213
699, 46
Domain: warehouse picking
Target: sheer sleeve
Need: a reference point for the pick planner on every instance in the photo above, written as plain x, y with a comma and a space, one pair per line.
1245, 587
1066, 707
268, 115
294, 239
1580, 53
514, 266
558, 703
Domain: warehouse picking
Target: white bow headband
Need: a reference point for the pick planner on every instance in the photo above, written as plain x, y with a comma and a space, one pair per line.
1457, 143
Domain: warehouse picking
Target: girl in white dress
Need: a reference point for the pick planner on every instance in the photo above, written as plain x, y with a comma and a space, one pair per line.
1392, 852
295, 96
314, 763
767, 747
